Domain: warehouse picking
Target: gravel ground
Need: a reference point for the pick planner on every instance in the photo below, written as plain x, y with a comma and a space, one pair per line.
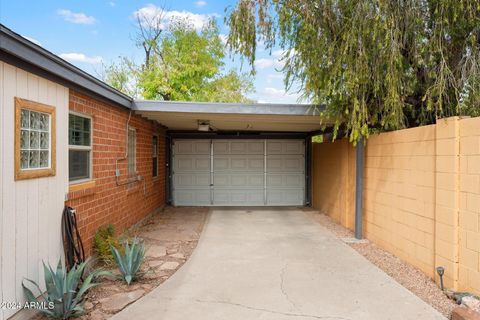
408, 276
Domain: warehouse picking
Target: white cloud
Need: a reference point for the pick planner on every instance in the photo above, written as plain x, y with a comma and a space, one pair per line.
112, 3
76, 17
223, 38
271, 77
200, 3
268, 63
151, 11
275, 95
38, 43
80, 57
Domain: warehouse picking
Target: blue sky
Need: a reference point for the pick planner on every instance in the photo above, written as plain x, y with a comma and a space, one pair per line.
91, 32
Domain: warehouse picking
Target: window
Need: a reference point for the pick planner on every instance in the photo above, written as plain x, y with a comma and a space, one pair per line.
80, 147
34, 139
132, 145
155, 156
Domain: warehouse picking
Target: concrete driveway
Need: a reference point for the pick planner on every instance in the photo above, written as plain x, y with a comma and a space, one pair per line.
275, 264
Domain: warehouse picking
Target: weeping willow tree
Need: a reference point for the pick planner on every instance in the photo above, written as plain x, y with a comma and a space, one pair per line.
375, 65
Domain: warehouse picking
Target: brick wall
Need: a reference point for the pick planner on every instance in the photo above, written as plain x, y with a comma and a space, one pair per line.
421, 195
105, 202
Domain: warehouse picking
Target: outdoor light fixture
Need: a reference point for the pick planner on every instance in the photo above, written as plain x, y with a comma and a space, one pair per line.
203, 125
441, 271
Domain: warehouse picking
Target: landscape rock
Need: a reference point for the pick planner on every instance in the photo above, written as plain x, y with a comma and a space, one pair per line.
170, 265
97, 315
471, 303
156, 251
177, 255
118, 301
155, 263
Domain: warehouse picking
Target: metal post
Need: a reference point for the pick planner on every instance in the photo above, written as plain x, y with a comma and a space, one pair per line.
359, 159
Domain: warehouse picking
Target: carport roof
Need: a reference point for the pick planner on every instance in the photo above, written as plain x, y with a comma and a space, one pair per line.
184, 116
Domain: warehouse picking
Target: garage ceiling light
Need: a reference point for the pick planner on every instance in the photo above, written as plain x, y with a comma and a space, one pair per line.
203, 125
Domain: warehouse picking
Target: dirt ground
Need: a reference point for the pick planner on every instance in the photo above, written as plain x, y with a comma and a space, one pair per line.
408, 276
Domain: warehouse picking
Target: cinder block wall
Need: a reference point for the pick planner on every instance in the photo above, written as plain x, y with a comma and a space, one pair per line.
333, 184
421, 195
105, 202
469, 231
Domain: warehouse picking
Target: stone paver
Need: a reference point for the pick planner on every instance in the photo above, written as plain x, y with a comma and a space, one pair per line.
118, 301
155, 251
276, 264
170, 265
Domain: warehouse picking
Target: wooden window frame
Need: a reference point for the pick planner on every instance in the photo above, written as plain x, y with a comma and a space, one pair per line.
134, 152
155, 156
83, 148
37, 107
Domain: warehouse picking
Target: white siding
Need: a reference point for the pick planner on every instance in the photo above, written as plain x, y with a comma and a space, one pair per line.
30, 210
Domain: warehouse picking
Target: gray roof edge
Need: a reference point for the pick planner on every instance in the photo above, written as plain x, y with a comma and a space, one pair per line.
226, 108
16, 45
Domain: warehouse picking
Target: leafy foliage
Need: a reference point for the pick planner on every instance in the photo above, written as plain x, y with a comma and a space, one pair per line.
104, 238
65, 291
131, 260
180, 63
375, 65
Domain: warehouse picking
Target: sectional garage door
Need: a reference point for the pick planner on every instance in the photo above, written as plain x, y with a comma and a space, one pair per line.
238, 172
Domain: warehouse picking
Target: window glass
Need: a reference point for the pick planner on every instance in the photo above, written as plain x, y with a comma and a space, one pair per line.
34, 140
132, 137
80, 149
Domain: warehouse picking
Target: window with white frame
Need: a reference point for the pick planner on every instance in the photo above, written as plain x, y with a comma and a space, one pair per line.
155, 156
34, 139
131, 151
80, 147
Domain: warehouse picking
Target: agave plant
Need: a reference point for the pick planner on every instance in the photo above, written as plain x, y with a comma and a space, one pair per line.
130, 261
64, 291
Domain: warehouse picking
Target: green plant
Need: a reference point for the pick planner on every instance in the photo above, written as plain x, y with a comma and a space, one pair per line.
63, 298
104, 238
130, 261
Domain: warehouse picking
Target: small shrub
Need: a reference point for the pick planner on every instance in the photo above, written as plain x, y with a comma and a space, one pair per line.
104, 238
63, 298
130, 261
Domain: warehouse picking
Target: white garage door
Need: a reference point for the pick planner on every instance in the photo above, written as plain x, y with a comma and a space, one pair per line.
238, 172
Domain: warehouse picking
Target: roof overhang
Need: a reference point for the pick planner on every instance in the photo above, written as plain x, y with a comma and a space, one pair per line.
18, 51
232, 117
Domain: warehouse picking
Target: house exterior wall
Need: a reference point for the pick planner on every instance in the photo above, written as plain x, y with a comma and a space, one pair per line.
421, 195
30, 210
105, 202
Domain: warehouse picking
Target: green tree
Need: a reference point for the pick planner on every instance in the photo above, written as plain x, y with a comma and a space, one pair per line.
180, 63
375, 64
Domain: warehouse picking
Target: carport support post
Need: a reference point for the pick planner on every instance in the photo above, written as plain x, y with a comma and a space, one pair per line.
359, 158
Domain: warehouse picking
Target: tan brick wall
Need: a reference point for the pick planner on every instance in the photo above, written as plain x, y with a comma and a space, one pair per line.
333, 185
106, 202
469, 231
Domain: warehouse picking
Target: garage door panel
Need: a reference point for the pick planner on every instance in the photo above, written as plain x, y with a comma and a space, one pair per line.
190, 180
288, 163
238, 180
183, 163
282, 180
283, 147
238, 197
195, 147
192, 197
239, 147
285, 196
242, 163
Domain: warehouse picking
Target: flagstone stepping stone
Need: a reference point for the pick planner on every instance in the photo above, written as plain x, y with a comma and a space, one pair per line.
177, 255
156, 251
170, 265
118, 301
